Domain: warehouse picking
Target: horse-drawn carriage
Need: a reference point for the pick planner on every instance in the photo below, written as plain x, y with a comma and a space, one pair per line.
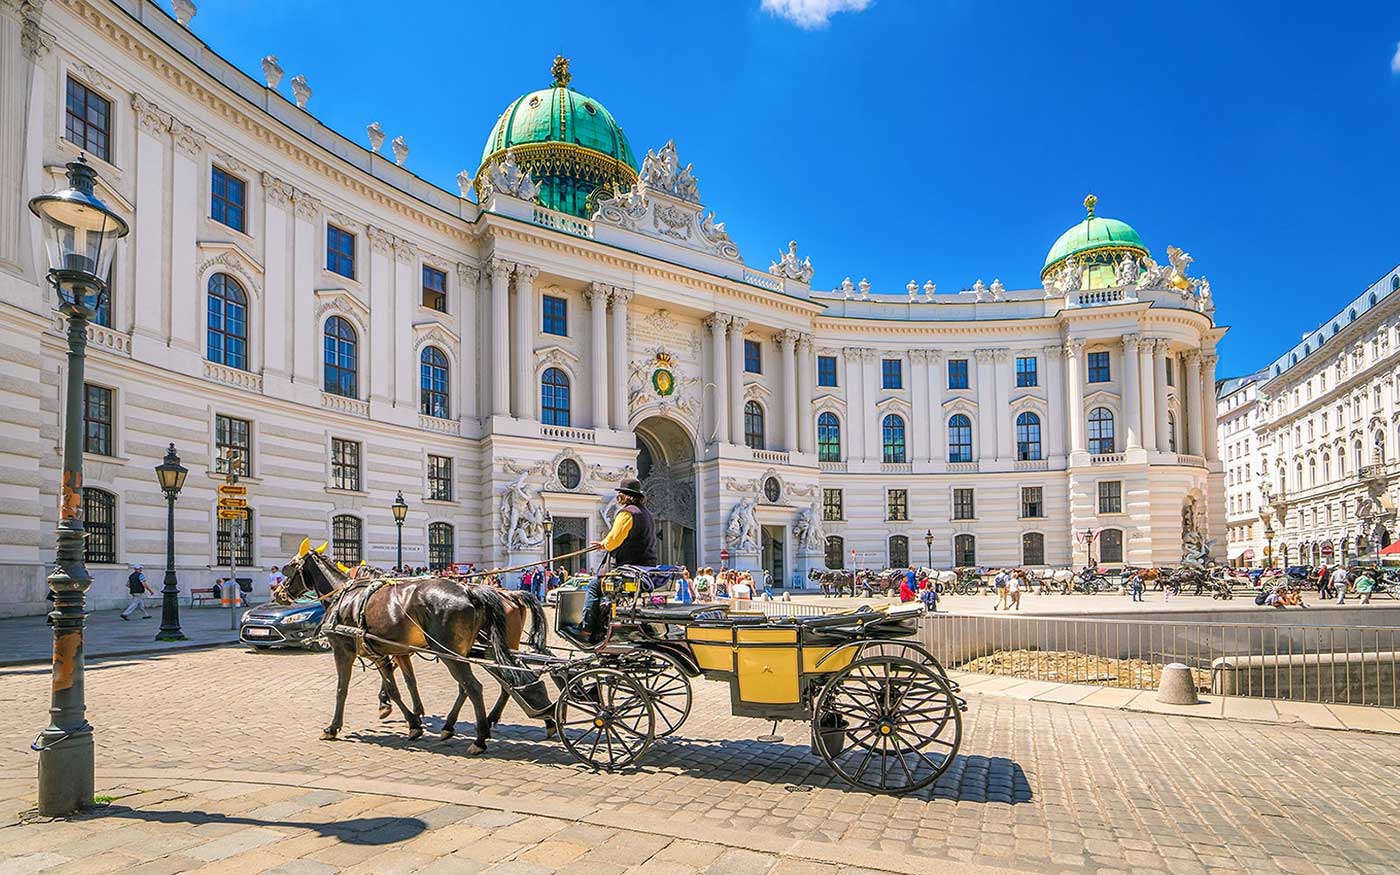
883, 713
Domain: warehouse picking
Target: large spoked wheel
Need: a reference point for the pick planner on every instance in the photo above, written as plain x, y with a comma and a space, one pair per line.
667, 686
888, 724
605, 718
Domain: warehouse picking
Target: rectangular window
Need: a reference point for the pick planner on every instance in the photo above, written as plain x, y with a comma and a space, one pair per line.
340, 251
1111, 546
235, 436
897, 505
226, 199
1032, 502
97, 420
1098, 367
434, 289
345, 464
238, 536
833, 505
826, 370
556, 316
88, 120
1026, 373
963, 508
957, 373
439, 478
891, 374
1110, 496
1171, 373
100, 523
753, 357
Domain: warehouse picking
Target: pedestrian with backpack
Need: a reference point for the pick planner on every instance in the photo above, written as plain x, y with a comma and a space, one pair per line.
136, 586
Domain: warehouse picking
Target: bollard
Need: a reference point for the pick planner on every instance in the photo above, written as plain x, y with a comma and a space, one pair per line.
1177, 686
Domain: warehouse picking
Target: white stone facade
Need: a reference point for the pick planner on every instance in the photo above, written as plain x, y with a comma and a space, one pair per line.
1238, 418
658, 307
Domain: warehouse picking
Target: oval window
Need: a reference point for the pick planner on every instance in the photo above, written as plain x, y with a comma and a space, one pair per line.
588, 108
570, 475
772, 490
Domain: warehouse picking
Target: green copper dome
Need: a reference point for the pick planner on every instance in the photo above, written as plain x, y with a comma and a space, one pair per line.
1096, 240
569, 142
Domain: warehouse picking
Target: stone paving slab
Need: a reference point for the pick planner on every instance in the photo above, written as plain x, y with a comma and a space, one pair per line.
1312, 713
28, 640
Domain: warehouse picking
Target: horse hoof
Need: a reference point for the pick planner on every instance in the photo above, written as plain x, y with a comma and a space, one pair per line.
328, 734
384, 712
415, 733
476, 749
447, 733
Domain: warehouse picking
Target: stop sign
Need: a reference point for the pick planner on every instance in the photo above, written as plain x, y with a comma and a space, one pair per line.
1326, 549
724, 555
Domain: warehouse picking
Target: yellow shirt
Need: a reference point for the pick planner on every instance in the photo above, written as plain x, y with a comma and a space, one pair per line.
621, 527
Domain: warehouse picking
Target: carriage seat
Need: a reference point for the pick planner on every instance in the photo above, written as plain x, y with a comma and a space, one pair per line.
657, 580
682, 613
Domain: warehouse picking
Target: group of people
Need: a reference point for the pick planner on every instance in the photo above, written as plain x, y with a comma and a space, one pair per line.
1336, 582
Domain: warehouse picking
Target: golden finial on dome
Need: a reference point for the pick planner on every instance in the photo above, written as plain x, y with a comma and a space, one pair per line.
1089, 204
561, 72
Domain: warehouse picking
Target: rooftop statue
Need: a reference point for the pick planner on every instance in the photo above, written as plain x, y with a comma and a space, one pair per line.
1069, 278
998, 291
507, 178
661, 171
1154, 275
1180, 261
980, 289
930, 288
848, 289
788, 266
1126, 273
913, 289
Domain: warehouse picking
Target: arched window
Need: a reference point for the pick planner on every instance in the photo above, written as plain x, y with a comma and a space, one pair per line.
1032, 548
964, 551
1298, 477
835, 552
959, 438
753, 425
892, 437
1171, 432
1100, 431
554, 398
899, 551
1312, 472
347, 544
828, 438
1395, 282
1356, 455
1027, 437
100, 523
341, 358
441, 545
432, 382
1341, 464
1111, 546
1378, 448
227, 322
1326, 467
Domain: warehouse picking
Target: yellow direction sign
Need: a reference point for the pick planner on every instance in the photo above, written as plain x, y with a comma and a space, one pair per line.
226, 502
232, 489
231, 514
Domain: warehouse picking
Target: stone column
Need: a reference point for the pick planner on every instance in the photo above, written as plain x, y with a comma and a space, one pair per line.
1209, 442
276, 315
617, 346
787, 346
1132, 392
987, 413
185, 296
308, 259
1159, 394
716, 324
936, 422
1058, 415
499, 270
1147, 387
1074, 381
597, 297
736, 379
919, 420
147, 246
378, 375
1189, 435
526, 321
806, 422
1005, 423
854, 431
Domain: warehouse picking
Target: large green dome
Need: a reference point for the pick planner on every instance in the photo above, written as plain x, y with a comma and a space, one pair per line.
1096, 239
568, 141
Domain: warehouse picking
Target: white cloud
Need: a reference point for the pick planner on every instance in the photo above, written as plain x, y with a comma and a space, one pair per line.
1394, 62
812, 14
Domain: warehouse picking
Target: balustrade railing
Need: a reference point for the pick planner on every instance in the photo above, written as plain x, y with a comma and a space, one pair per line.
896, 468
763, 280
352, 406
1032, 464
772, 457
962, 467
233, 376
437, 423
1106, 459
562, 222
832, 467
566, 433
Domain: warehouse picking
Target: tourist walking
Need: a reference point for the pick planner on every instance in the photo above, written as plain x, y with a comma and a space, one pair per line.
1340, 579
1365, 585
1324, 582
136, 585
1013, 588
1136, 585
999, 584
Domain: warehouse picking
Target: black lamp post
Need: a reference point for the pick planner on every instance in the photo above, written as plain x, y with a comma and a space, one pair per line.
548, 526
171, 475
80, 235
400, 508
928, 542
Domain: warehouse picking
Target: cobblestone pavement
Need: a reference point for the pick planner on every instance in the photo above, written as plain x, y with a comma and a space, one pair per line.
1039, 786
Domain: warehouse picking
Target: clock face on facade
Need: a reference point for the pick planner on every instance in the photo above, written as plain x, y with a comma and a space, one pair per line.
772, 490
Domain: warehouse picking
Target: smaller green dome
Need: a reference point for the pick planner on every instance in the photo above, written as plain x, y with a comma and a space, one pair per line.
1097, 235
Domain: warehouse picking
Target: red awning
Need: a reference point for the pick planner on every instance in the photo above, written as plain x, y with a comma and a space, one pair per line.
1393, 549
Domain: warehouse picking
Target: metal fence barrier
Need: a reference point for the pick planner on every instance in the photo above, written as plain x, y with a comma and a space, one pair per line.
1355, 665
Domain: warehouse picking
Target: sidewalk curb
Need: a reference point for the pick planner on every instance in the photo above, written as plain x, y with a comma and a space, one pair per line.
136, 651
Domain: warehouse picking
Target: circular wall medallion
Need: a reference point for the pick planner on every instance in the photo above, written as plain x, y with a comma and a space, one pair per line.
772, 490
570, 475
663, 381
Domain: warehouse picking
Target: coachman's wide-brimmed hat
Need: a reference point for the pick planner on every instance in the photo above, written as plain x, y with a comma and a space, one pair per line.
631, 486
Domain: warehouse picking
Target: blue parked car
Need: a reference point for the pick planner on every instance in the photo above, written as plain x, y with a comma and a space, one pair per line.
273, 625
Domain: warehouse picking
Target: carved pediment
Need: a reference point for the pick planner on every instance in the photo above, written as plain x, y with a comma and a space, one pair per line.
432, 331
344, 301
232, 259
556, 355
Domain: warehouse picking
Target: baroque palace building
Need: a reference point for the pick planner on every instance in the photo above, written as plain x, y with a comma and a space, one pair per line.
504, 354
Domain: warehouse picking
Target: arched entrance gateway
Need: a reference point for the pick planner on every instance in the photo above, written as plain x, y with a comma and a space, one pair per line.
666, 467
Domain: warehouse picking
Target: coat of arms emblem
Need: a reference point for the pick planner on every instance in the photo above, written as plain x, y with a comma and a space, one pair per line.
663, 378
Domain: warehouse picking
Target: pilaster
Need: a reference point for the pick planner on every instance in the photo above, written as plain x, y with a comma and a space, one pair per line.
526, 316
617, 346
597, 297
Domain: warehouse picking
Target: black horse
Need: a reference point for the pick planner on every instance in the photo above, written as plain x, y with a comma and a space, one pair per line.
399, 618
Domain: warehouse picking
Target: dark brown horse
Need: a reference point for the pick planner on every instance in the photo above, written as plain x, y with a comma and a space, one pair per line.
400, 618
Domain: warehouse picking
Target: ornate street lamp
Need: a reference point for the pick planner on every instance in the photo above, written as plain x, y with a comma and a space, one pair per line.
928, 542
80, 235
171, 475
400, 508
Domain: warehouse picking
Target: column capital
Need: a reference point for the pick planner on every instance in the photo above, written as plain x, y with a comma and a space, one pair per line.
919, 356
405, 252
187, 141
716, 321
804, 340
858, 353
466, 274
597, 294
1160, 346
1209, 359
307, 207
620, 296
738, 323
1054, 351
277, 192
526, 273
380, 240
787, 337
1001, 354
1075, 345
1192, 357
149, 116
499, 268
1130, 342
983, 355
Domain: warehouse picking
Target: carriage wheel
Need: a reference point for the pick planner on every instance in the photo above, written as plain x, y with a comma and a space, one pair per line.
888, 724
605, 718
666, 684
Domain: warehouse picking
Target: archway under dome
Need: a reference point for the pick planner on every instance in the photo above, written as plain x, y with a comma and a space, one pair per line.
666, 467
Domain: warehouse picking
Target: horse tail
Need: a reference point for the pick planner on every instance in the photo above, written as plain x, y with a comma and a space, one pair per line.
493, 606
538, 636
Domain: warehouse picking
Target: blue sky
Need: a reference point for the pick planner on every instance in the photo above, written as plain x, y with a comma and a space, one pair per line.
943, 139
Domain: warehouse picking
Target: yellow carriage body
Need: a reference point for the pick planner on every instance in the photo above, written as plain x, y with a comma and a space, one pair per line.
768, 666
